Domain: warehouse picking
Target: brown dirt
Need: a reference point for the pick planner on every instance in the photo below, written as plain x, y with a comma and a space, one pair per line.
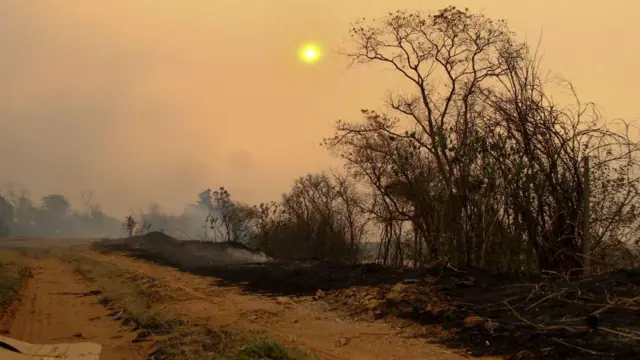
364, 311
57, 306
298, 321
54, 309
485, 313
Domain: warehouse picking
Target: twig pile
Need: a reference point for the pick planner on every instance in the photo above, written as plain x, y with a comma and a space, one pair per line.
547, 318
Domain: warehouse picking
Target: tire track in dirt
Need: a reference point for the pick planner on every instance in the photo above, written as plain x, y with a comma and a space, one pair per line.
53, 309
299, 322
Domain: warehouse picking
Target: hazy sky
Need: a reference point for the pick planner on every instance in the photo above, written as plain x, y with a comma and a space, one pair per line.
155, 100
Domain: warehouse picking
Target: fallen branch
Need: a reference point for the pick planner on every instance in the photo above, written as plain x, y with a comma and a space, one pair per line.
619, 333
578, 347
546, 298
520, 317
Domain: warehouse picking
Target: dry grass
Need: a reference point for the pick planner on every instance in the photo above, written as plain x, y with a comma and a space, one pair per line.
137, 299
13, 270
198, 343
267, 349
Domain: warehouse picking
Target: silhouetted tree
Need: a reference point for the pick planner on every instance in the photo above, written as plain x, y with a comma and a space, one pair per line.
205, 200
52, 217
320, 217
25, 213
476, 164
130, 225
235, 220
6, 216
56, 204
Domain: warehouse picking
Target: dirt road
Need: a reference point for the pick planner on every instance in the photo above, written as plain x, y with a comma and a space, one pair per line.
55, 308
302, 322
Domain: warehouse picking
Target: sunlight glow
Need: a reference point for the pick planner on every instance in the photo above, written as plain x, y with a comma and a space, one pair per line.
309, 53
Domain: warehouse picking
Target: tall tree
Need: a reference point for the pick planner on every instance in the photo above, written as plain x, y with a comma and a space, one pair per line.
476, 157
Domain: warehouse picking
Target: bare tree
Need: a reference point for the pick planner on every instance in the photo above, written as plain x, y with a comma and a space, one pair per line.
321, 217
130, 225
476, 164
6, 216
234, 218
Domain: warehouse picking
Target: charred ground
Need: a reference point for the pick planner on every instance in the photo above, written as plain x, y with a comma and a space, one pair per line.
487, 313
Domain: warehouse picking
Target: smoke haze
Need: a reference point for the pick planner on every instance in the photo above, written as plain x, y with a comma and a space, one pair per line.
152, 101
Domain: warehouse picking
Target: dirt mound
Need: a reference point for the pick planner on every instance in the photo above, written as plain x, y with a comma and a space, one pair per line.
164, 249
157, 237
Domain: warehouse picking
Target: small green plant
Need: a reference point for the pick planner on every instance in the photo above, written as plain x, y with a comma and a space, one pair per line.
264, 349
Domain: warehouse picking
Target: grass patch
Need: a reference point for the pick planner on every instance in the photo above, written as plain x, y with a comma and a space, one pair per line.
268, 349
135, 296
13, 270
194, 343
202, 343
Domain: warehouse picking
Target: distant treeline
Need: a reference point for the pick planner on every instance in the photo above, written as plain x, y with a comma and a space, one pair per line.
54, 216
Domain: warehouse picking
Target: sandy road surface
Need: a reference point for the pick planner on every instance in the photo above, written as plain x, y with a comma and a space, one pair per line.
53, 310
301, 322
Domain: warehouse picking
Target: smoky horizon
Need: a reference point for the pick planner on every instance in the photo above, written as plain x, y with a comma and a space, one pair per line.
145, 106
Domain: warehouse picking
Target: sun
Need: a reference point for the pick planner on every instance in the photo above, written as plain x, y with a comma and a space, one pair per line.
309, 53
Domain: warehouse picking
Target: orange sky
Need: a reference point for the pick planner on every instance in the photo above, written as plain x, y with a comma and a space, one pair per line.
155, 100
